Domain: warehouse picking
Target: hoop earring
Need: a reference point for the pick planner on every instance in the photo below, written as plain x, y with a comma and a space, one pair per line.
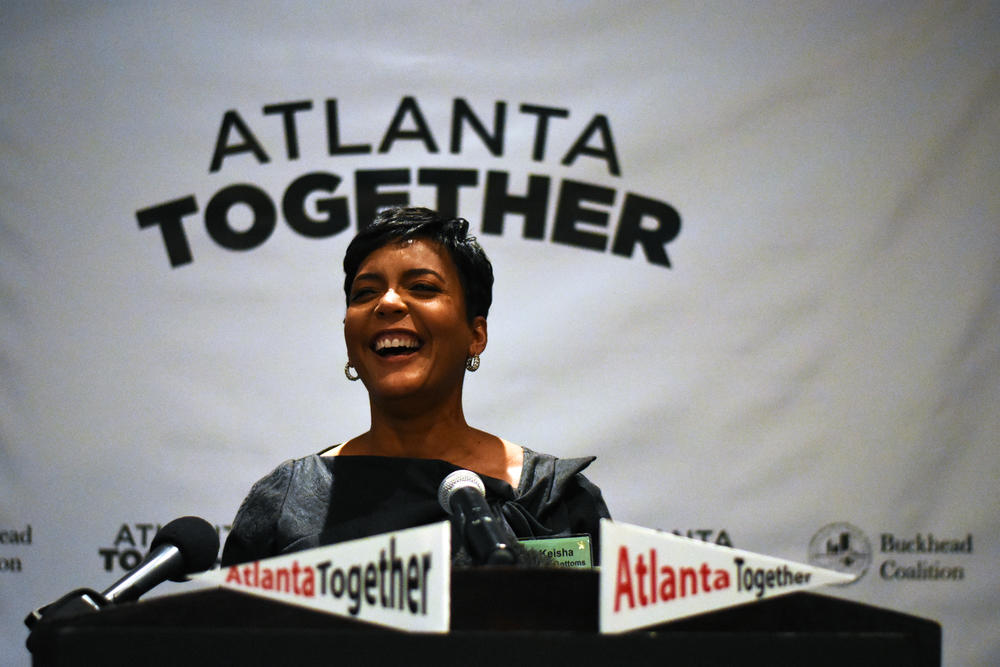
347, 372
472, 363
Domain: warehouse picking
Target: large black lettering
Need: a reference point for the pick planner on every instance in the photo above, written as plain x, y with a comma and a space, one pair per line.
168, 217
232, 121
421, 132
354, 589
288, 111
334, 146
570, 212
413, 583
606, 151
462, 111
217, 217
447, 182
653, 240
124, 535
581, 212
109, 558
543, 115
293, 206
129, 558
371, 583
370, 200
144, 530
498, 203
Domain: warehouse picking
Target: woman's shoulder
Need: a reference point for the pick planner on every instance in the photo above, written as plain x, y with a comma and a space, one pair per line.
332, 450
286, 484
293, 495
539, 465
291, 470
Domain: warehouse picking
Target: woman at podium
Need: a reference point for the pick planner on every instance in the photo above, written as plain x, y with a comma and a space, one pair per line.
418, 291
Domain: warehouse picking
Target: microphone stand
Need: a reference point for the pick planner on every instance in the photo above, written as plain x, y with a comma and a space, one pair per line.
74, 603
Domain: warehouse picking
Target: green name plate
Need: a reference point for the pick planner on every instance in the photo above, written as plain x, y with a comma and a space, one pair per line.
567, 551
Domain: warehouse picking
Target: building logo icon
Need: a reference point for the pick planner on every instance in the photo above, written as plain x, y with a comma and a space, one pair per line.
841, 547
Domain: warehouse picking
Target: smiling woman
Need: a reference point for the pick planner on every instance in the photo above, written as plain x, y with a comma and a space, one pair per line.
418, 292
408, 333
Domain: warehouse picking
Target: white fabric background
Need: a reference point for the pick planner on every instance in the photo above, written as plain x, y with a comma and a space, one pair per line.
823, 349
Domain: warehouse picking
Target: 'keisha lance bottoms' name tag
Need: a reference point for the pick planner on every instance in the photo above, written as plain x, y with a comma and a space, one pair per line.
567, 551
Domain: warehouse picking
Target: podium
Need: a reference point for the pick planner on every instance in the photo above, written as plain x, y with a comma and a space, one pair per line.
499, 617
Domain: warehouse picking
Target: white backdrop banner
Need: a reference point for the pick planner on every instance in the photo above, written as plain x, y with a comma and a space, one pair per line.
745, 254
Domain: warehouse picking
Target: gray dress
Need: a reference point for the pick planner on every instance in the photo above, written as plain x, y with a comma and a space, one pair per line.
318, 500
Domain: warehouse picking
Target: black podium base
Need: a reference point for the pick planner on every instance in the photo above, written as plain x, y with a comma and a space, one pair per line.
498, 617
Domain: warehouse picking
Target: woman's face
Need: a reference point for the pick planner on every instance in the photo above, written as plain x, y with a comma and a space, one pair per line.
406, 327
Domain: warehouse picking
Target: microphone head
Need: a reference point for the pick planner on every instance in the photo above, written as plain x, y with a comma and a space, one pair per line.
457, 480
195, 538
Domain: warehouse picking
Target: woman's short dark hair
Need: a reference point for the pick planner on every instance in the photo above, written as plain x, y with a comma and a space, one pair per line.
396, 225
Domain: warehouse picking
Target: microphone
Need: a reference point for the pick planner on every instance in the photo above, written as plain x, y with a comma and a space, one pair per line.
463, 496
185, 545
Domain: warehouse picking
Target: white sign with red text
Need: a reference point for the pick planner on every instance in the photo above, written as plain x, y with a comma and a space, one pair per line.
649, 577
401, 579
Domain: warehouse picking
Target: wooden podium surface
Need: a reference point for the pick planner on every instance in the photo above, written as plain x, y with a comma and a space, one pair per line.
498, 617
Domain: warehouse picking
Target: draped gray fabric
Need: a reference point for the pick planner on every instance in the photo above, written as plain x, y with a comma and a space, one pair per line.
316, 500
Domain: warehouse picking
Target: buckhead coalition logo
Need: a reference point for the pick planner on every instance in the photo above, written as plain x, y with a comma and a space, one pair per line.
843, 548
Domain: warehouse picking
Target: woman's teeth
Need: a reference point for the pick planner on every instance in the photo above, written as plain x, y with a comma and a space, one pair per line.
396, 345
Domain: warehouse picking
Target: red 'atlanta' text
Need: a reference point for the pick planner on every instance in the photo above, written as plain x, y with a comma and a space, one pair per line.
645, 582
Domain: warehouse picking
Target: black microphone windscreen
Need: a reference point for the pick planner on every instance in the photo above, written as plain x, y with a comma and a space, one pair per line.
196, 539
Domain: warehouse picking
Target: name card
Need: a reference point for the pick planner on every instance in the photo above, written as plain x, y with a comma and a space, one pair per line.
649, 577
567, 551
401, 579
